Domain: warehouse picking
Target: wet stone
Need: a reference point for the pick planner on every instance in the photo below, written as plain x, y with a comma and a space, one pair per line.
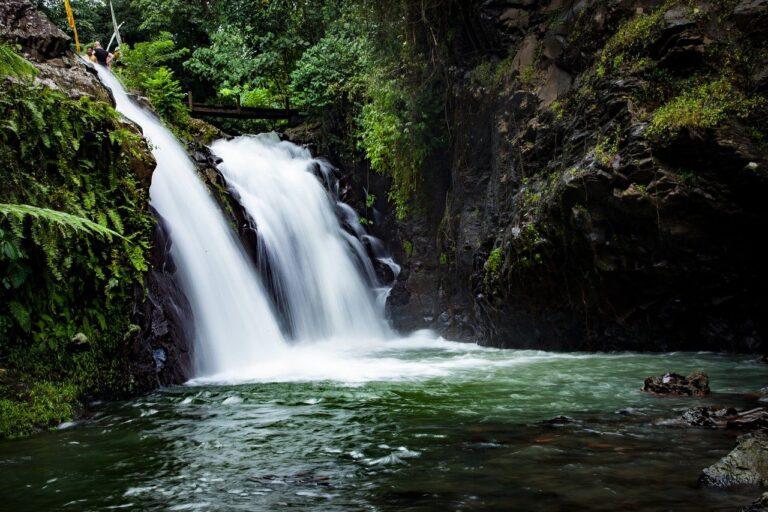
708, 416
674, 384
745, 465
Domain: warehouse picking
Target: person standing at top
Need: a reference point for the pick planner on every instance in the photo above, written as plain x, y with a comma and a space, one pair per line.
103, 57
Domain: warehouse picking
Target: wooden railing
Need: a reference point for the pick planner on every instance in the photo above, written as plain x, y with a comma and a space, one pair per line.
239, 112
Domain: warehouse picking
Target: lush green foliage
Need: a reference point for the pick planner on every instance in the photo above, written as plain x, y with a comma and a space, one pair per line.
493, 264
71, 263
331, 73
395, 144
11, 64
144, 69
140, 61
166, 96
44, 404
65, 220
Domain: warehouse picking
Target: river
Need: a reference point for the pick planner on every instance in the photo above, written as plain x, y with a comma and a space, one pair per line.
413, 424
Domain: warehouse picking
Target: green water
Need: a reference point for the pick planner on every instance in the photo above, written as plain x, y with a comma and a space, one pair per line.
451, 428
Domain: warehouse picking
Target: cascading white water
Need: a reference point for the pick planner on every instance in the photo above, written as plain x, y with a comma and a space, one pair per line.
234, 322
320, 275
318, 271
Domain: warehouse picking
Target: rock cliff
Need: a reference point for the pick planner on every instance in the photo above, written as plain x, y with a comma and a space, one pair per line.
607, 175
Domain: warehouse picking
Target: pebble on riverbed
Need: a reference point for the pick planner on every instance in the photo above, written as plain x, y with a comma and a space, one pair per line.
674, 384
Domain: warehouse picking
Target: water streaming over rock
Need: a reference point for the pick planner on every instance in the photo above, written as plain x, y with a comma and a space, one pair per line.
318, 271
234, 321
313, 269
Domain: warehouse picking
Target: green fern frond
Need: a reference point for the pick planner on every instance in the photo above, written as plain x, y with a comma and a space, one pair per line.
13, 64
63, 219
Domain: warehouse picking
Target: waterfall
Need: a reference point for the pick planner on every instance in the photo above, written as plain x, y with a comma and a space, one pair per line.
313, 267
234, 321
319, 272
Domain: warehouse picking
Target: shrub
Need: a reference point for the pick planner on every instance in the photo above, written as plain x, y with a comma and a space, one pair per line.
329, 73
396, 132
144, 68
167, 97
493, 264
138, 63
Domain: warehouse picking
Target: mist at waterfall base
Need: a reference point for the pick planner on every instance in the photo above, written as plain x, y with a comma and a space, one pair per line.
319, 315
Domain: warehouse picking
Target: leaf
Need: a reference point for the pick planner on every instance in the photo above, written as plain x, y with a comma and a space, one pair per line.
60, 218
21, 314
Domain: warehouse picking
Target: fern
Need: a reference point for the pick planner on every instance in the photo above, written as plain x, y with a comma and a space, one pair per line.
66, 220
12, 64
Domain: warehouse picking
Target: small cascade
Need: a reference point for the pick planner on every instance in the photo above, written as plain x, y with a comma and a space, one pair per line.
321, 274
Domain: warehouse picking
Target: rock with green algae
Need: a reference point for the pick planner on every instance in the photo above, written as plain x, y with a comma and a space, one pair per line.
745, 465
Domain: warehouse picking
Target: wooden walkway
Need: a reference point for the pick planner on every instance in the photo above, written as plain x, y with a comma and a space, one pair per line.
238, 112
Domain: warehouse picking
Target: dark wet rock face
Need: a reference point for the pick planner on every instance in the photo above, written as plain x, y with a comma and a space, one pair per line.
21, 23
673, 384
162, 350
555, 221
47, 47
558, 421
746, 465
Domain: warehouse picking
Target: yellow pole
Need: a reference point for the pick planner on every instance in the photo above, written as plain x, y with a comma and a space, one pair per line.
71, 22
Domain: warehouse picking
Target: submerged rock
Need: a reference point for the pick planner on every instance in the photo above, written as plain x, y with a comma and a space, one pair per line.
753, 419
708, 416
558, 421
674, 384
747, 464
630, 411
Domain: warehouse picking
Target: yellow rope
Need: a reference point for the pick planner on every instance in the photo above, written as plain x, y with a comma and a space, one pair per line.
71, 22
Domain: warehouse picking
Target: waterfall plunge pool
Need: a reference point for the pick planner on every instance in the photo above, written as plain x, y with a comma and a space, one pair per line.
413, 424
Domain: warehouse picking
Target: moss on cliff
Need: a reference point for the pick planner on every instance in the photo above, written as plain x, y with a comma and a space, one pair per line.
67, 294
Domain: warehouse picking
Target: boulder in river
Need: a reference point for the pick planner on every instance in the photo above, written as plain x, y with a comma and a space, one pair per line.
747, 464
674, 384
709, 416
